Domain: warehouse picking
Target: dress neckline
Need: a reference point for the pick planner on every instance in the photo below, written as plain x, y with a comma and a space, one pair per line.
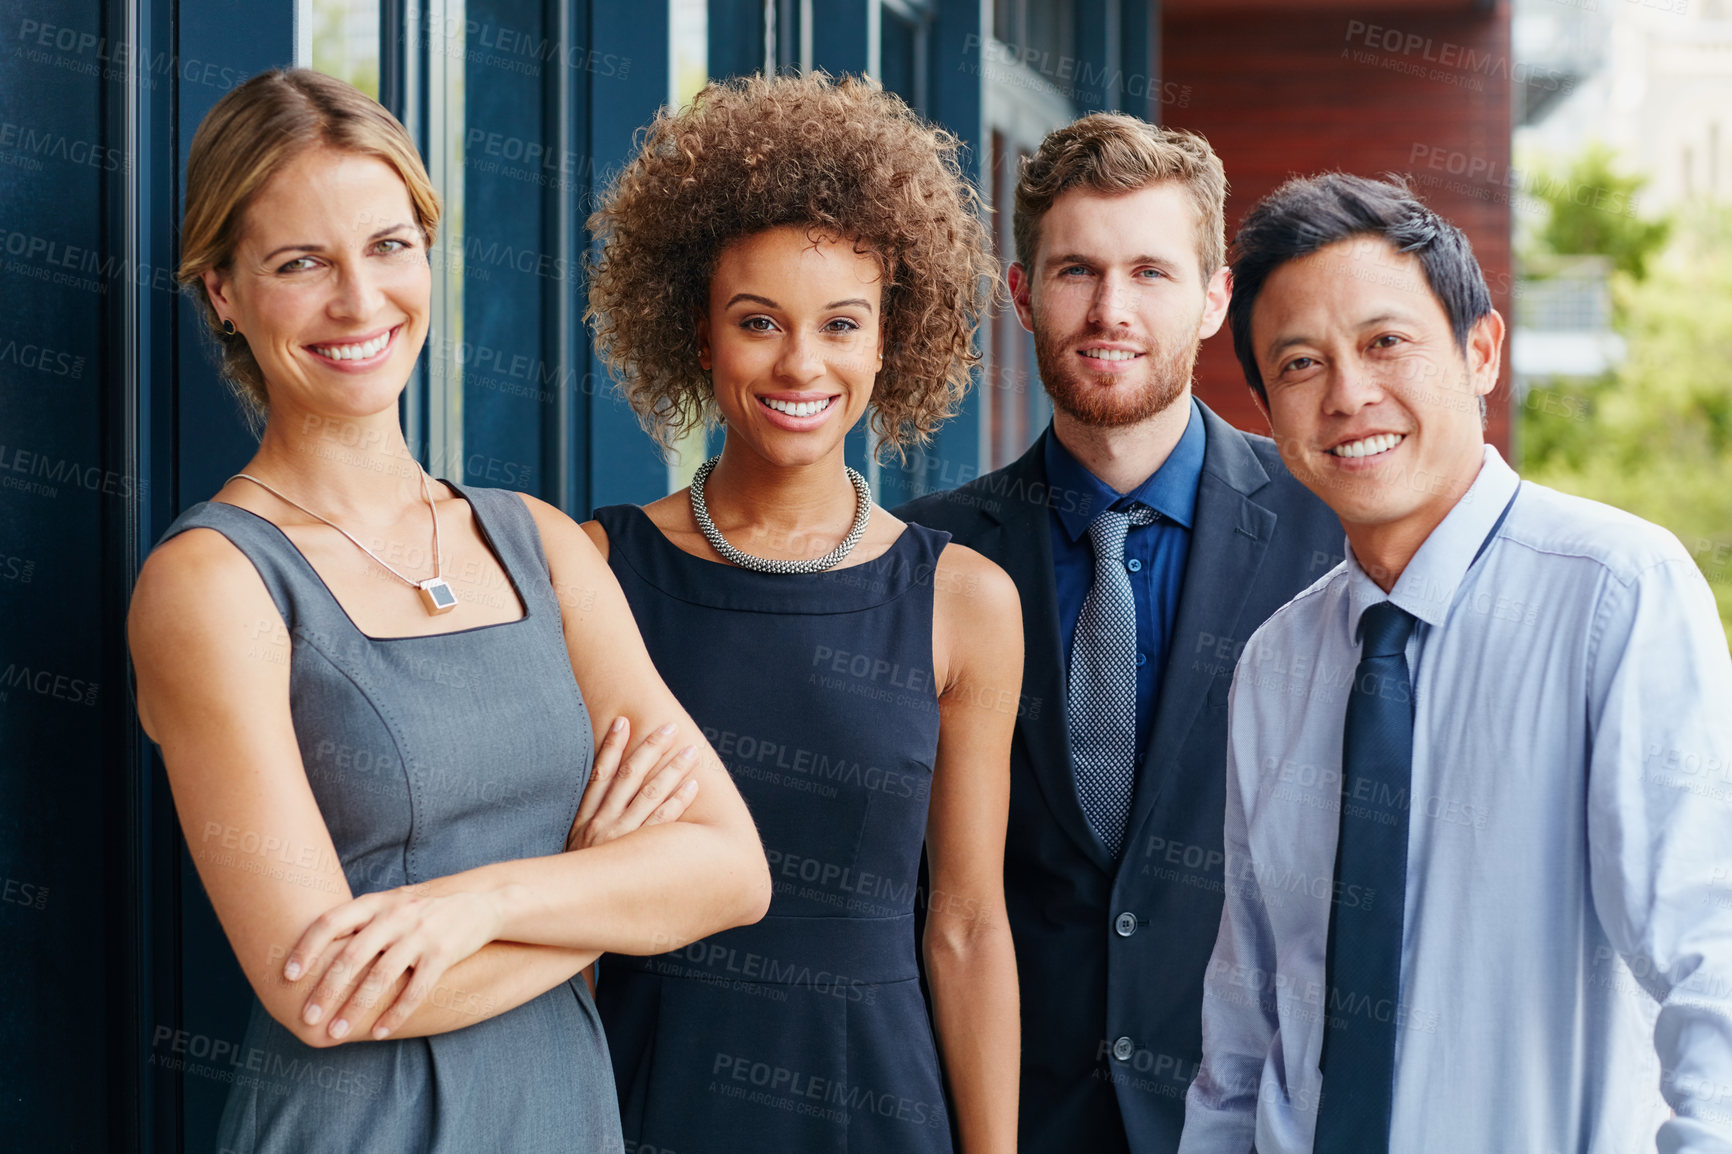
487, 543
639, 543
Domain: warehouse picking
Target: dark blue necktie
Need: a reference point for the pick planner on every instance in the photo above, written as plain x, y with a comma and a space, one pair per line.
1101, 706
1365, 917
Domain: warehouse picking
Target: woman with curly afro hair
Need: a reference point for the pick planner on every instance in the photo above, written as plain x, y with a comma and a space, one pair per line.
786, 256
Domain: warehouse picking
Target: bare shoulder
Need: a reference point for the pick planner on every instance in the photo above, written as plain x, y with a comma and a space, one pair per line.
566, 543
200, 616
597, 536
972, 588
977, 632
196, 576
548, 519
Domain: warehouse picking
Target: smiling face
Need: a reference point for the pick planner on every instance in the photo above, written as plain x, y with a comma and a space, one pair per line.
1117, 303
329, 284
1374, 404
792, 341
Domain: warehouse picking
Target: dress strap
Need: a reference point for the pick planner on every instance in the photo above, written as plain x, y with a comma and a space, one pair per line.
925, 543
509, 527
280, 565
301, 595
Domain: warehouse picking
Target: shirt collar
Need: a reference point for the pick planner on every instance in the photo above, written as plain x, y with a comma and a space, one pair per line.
1427, 587
1170, 490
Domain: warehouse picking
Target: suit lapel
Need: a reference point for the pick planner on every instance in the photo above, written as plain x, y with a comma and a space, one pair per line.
1025, 552
1229, 537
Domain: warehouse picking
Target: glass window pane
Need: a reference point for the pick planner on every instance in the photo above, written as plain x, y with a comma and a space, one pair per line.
899, 58
341, 38
689, 71
689, 48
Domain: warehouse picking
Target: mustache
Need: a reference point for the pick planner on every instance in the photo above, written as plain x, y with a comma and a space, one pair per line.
1105, 336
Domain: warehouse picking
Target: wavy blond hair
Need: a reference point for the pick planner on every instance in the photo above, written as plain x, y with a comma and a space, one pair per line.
252, 134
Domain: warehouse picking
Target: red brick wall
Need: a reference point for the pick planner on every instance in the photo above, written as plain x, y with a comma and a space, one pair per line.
1288, 94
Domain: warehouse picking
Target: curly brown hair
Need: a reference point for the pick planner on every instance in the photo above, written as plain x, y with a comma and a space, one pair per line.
844, 158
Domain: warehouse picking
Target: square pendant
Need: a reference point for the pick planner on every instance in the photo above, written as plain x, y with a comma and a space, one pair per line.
436, 594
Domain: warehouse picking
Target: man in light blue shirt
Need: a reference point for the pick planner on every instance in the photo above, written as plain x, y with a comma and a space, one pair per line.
1479, 802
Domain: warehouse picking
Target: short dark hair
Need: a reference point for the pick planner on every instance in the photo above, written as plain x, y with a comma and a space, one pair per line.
1310, 213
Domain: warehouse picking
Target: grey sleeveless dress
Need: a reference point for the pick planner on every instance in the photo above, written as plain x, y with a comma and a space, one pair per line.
428, 756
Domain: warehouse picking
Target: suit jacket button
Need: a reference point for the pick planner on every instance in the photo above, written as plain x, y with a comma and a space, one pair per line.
1123, 1049
1125, 924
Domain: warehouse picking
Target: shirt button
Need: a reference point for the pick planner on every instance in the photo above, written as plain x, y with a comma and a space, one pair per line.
1123, 1049
1134, 565
1125, 924
1142, 660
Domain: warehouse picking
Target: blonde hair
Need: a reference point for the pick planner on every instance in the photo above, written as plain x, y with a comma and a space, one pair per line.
251, 134
1111, 153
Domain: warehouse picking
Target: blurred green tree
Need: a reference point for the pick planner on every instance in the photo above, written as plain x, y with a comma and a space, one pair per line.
1593, 209
1654, 436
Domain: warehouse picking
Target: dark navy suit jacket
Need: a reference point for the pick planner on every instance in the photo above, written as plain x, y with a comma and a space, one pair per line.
1111, 955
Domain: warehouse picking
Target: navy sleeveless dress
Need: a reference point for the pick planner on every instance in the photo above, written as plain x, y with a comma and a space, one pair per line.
429, 756
805, 1032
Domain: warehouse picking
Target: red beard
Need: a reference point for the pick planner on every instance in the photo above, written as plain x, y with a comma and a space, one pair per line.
1107, 400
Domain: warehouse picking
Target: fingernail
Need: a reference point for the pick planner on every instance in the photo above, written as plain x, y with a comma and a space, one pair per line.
339, 1028
379, 1033
666, 730
689, 787
688, 753
312, 1014
292, 970
617, 726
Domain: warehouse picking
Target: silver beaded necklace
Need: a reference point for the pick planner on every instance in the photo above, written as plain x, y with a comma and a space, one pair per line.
701, 514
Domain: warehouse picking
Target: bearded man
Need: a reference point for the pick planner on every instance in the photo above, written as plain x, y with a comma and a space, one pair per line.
1148, 539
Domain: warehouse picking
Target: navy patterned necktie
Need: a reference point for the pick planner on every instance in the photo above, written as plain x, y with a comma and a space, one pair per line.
1364, 958
1101, 709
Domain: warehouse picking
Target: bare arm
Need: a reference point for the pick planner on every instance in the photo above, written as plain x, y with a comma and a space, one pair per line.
211, 657
625, 793
662, 887
970, 959
665, 885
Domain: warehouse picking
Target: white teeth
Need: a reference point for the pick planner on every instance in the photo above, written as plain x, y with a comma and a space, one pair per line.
354, 352
1110, 354
799, 408
1369, 446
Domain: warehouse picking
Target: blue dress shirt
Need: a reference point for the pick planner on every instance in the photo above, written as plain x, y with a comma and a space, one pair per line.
1154, 553
1566, 968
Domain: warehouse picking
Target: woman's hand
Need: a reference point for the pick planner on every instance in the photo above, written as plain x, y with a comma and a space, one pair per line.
648, 787
377, 939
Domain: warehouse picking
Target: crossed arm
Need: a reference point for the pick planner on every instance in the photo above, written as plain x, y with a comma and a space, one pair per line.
445, 954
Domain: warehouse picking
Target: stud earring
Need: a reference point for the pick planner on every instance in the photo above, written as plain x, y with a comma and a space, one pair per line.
229, 329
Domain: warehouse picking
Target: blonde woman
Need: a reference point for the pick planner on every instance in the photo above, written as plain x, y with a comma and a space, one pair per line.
374, 694
790, 254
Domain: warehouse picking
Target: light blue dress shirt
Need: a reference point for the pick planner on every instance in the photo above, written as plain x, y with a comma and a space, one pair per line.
1566, 973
